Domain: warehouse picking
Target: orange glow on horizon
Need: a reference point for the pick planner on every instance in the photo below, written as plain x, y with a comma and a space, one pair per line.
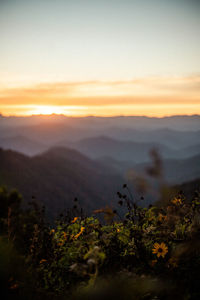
151, 110
142, 96
45, 110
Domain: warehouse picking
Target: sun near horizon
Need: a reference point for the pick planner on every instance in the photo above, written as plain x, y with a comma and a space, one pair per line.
100, 58
151, 111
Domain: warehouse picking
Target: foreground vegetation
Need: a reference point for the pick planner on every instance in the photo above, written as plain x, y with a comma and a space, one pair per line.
144, 253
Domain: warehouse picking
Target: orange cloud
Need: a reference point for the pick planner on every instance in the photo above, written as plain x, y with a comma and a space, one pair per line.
96, 96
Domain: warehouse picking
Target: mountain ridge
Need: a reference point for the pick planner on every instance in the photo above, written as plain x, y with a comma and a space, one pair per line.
56, 181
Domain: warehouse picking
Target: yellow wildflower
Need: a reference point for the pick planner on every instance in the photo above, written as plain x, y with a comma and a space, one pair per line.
74, 220
14, 286
173, 262
118, 230
42, 261
64, 235
161, 217
78, 234
176, 201
160, 249
61, 243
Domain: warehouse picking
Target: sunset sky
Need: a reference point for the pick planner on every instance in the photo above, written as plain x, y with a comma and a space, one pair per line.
100, 57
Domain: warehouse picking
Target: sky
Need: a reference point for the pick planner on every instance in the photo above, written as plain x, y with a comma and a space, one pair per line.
108, 57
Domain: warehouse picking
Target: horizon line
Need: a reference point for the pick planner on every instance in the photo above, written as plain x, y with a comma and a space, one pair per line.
99, 116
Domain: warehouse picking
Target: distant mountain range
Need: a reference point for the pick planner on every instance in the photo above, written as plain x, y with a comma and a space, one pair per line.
22, 144
121, 150
179, 123
175, 133
56, 158
168, 137
176, 170
57, 176
136, 152
103, 146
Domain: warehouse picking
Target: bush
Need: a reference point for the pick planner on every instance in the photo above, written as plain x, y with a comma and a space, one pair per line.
150, 253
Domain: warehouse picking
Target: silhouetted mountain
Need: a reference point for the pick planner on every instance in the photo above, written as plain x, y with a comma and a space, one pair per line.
58, 176
116, 143
39, 138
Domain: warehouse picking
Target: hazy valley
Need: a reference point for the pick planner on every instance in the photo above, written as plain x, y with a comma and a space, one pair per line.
57, 158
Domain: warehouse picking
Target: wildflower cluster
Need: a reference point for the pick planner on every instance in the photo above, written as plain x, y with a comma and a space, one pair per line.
158, 243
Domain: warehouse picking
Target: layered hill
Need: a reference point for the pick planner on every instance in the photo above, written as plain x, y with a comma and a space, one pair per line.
173, 132
120, 150
57, 176
22, 144
129, 151
176, 171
